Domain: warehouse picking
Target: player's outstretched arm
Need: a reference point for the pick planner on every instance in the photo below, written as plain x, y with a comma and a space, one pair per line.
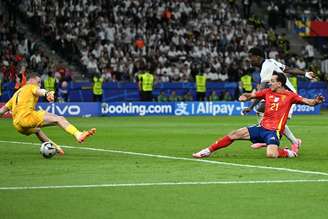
246, 96
50, 95
312, 102
262, 85
3, 110
295, 71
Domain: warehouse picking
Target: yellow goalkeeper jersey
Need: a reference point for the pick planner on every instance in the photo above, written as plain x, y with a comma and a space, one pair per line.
23, 101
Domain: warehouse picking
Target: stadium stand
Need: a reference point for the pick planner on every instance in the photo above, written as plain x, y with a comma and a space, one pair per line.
103, 36
176, 39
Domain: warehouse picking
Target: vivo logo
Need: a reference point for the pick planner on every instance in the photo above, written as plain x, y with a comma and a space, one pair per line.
72, 110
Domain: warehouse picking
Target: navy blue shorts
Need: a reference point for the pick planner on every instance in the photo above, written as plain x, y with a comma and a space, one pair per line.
259, 134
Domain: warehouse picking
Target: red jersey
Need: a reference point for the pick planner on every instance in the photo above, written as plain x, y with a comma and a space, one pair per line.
277, 106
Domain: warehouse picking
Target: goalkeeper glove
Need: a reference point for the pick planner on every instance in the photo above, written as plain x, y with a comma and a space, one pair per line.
50, 96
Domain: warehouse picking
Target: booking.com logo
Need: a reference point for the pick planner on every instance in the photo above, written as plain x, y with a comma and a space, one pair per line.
134, 109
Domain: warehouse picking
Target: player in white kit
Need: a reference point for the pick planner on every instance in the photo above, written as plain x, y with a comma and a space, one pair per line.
267, 66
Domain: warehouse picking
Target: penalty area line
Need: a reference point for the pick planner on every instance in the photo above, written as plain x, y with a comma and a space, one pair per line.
164, 184
282, 169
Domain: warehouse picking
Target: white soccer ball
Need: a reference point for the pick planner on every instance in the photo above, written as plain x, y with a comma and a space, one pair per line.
47, 150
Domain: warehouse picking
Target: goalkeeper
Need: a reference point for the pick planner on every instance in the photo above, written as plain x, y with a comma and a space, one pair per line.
28, 121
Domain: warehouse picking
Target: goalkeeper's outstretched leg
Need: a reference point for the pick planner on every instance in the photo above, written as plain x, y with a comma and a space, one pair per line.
44, 138
61, 121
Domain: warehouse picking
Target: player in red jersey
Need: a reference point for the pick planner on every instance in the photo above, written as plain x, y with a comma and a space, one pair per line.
267, 66
278, 102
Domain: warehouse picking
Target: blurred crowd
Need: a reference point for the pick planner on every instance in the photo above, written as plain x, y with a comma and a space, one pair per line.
284, 12
176, 39
20, 54
316, 9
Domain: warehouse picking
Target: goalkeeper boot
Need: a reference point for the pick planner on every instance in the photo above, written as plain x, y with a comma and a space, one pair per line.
86, 134
59, 150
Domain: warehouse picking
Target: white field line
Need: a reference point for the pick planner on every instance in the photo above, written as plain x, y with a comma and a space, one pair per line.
182, 158
165, 184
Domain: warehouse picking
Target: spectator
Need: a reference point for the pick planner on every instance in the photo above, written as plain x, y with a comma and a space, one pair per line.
173, 96
308, 52
300, 63
213, 96
188, 96
283, 43
223, 76
324, 66
21, 78
63, 91
273, 11
246, 8
92, 66
225, 96
162, 97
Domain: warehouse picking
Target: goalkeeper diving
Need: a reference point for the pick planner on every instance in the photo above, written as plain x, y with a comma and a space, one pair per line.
27, 120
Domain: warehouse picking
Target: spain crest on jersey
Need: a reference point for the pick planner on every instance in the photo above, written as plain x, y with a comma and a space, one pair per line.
276, 100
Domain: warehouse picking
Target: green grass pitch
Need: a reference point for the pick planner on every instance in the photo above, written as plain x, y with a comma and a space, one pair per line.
110, 183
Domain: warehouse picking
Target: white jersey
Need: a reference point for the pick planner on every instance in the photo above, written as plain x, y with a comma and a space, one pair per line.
267, 68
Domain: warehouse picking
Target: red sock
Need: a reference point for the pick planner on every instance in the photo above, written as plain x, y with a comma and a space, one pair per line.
282, 153
221, 143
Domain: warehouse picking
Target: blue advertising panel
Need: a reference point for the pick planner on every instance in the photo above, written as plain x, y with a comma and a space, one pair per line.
228, 108
71, 108
304, 109
137, 109
127, 91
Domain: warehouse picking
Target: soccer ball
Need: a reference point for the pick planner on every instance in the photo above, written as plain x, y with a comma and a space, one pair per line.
47, 150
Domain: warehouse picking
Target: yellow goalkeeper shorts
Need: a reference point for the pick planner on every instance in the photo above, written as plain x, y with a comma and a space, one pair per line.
27, 125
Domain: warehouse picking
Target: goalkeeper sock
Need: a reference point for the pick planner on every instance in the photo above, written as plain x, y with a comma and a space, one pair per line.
71, 129
221, 143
